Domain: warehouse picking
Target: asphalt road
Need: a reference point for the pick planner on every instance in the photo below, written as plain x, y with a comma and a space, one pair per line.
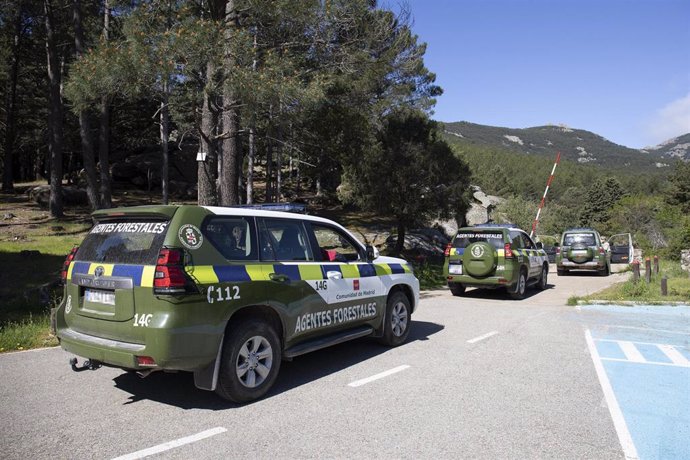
481, 376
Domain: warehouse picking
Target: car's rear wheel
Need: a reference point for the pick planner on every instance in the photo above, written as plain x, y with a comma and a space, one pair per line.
396, 326
606, 271
543, 281
250, 361
456, 289
561, 272
518, 292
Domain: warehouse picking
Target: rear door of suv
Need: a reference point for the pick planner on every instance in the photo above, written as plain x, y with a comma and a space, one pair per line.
112, 275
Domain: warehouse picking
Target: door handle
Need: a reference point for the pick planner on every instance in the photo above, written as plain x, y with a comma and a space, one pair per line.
279, 277
334, 275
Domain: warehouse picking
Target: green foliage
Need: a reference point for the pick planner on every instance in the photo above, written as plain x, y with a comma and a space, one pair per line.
601, 196
679, 192
411, 174
430, 276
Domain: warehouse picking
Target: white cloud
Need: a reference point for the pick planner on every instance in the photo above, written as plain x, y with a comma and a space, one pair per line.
672, 120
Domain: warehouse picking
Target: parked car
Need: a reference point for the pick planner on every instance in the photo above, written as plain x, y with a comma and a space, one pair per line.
494, 256
225, 293
582, 249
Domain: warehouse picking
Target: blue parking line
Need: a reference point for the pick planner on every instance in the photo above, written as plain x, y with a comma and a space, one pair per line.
641, 351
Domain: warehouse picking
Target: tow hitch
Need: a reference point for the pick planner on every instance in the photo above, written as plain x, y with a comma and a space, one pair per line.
87, 365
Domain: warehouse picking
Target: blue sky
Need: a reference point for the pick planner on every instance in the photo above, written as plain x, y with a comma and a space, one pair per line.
618, 68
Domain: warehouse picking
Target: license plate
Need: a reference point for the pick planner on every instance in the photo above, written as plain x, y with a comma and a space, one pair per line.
96, 296
455, 269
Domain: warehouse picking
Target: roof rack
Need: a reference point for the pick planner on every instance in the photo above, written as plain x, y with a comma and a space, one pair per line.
298, 208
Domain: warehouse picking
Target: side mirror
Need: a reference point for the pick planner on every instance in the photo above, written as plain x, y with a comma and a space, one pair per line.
372, 253
540, 245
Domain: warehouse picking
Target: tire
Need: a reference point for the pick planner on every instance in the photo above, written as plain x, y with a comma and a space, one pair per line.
250, 361
543, 280
606, 271
396, 326
520, 286
456, 289
561, 272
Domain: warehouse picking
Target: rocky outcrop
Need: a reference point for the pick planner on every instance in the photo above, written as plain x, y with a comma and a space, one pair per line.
481, 209
71, 196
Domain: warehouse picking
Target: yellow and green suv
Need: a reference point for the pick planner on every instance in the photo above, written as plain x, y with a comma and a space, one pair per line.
583, 249
225, 293
494, 256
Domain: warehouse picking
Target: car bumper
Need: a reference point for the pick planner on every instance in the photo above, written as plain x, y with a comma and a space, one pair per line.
595, 265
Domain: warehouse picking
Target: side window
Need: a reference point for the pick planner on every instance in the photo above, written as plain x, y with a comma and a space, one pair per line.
284, 240
529, 244
516, 240
233, 237
335, 246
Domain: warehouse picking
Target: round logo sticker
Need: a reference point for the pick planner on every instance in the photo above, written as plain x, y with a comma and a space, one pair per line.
478, 251
190, 236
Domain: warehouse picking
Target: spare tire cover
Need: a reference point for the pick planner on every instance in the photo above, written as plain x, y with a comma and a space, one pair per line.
479, 259
580, 253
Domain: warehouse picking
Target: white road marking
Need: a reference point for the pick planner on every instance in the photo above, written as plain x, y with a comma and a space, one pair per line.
653, 363
624, 437
482, 337
631, 352
359, 383
674, 355
172, 444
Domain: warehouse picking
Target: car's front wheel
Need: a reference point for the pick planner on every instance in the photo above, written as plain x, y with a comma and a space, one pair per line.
250, 361
396, 326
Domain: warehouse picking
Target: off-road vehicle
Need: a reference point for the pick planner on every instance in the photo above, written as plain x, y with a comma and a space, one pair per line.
582, 249
495, 256
225, 293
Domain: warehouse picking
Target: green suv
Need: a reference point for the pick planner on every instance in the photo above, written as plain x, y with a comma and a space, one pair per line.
495, 256
225, 293
583, 249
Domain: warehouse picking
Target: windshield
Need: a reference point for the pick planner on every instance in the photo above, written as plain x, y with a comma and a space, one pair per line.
464, 239
130, 242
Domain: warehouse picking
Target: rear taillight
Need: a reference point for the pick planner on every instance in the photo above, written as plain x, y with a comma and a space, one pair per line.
508, 251
169, 277
68, 261
602, 251
446, 253
146, 361
558, 250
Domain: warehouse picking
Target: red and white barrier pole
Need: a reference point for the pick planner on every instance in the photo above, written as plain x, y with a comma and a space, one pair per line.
543, 198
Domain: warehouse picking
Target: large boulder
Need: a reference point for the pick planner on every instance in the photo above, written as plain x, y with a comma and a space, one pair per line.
71, 196
685, 260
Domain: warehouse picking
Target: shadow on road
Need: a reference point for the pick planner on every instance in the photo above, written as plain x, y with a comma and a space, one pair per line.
178, 389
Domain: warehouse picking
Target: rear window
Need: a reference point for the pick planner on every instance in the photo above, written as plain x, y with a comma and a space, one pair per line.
579, 238
131, 242
464, 239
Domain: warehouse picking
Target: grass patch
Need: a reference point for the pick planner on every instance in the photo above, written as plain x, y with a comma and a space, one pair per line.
641, 291
430, 276
33, 331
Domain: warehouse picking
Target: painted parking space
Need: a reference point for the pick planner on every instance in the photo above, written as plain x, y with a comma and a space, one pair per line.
644, 358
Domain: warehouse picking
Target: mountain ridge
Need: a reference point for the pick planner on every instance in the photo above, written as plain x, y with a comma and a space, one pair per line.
581, 146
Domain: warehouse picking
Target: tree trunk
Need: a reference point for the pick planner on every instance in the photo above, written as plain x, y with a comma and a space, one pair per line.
165, 138
55, 129
11, 104
231, 120
87, 150
400, 242
104, 130
206, 168
279, 160
250, 165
